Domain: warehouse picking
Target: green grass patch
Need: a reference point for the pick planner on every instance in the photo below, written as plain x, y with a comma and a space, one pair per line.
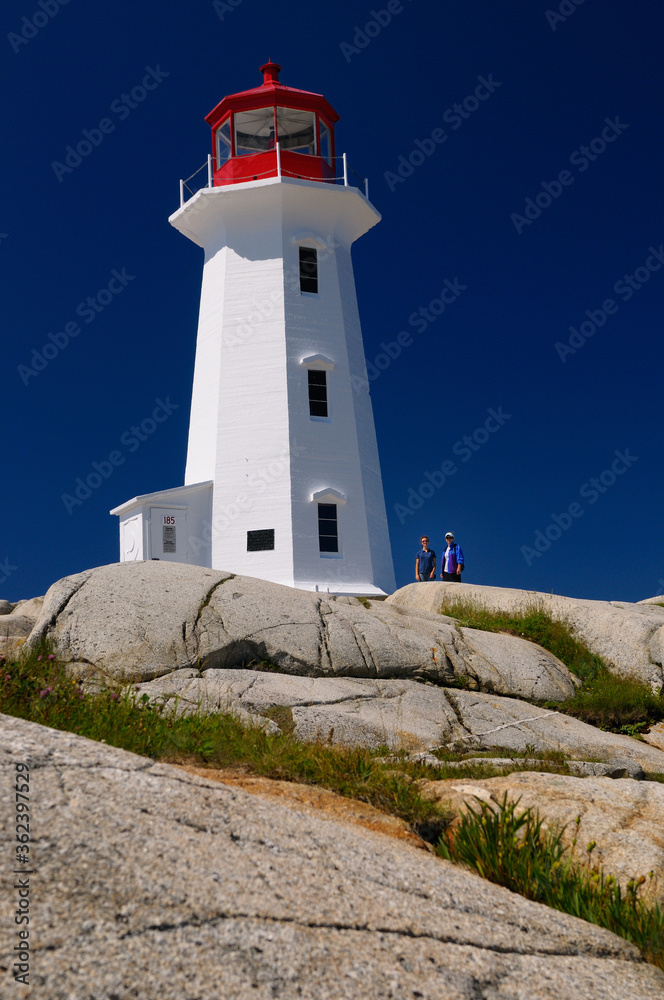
606, 700
617, 704
510, 847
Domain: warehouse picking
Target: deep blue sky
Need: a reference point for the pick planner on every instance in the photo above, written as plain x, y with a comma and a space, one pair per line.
451, 219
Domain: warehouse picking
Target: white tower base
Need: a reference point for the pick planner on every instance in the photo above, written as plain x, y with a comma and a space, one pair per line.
251, 431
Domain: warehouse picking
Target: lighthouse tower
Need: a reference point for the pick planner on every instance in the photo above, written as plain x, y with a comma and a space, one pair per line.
282, 477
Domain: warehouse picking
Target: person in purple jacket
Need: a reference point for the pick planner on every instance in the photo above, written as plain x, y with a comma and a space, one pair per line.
452, 562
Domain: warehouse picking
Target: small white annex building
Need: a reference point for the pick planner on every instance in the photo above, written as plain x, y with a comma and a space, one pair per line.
282, 479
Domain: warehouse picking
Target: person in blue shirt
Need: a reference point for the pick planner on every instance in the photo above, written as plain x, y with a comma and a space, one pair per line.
425, 562
452, 565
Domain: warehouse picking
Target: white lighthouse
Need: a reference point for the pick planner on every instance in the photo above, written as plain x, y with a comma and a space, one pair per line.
282, 479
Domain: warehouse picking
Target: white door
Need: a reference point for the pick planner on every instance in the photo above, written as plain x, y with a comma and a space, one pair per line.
131, 539
168, 534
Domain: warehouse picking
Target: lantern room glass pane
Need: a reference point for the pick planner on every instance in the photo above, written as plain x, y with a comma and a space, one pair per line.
325, 142
254, 131
223, 142
296, 130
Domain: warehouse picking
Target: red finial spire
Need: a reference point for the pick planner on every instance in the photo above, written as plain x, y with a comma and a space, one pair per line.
270, 72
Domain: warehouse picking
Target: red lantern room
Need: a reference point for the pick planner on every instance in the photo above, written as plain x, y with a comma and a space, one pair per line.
272, 131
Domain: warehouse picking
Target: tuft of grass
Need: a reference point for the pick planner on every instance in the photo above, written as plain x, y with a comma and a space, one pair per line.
40, 689
606, 700
512, 849
266, 666
617, 704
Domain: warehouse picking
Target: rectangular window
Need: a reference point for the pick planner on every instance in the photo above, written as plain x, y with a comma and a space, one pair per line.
260, 541
317, 394
223, 143
328, 532
325, 144
308, 270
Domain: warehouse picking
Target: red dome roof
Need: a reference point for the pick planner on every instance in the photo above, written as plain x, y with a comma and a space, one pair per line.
272, 92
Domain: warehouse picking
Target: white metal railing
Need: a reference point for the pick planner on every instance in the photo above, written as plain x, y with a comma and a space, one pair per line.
185, 186
189, 187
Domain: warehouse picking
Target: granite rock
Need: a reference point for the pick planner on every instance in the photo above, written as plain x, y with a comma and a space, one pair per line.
29, 609
655, 736
348, 711
15, 624
138, 621
159, 883
629, 637
400, 714
492, 721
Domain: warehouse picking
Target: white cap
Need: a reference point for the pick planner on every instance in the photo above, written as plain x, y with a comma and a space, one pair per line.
449, 534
